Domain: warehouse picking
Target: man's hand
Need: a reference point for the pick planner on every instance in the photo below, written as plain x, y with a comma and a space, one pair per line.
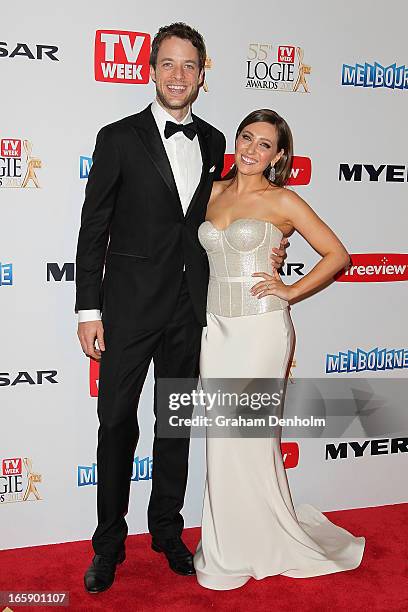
279, 255
89, 332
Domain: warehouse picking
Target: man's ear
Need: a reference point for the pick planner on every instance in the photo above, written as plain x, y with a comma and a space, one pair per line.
153, 73
201, 77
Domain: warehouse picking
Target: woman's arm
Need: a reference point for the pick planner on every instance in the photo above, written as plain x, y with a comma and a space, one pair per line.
323, 240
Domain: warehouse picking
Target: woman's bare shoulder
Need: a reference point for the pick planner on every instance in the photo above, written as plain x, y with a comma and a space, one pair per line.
285, 198
218, 188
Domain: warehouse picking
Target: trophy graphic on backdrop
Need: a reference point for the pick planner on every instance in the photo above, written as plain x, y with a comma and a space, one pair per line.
32, 164
303, 69
32, 478
291, 366
207, 66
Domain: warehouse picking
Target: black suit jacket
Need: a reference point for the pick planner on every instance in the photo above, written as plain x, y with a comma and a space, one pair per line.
134, 238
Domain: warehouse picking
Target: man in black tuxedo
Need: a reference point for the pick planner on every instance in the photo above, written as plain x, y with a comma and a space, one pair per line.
139, 262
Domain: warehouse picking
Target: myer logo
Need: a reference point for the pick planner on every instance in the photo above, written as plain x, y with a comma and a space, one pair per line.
122, 57
369, 172
353, 450
58, 273
376, 268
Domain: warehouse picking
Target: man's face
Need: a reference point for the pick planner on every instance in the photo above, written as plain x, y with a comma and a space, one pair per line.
177, 74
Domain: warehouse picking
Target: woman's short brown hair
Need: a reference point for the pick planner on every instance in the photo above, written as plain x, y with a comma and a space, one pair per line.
285, 141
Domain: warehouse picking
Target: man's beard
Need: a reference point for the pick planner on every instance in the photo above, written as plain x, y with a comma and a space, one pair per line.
177, 104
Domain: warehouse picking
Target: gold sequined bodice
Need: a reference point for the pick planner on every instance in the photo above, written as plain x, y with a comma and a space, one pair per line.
234, 254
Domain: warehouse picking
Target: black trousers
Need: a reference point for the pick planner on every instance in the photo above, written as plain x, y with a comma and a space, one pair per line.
175, 351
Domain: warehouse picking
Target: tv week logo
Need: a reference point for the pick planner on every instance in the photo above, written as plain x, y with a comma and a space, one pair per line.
300, 174
122, 57
10, 147
286, 55
12, 467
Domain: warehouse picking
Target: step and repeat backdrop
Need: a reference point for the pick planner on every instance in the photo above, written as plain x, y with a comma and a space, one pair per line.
340, 78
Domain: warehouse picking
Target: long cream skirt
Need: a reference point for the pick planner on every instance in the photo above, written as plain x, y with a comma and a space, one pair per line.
250, 527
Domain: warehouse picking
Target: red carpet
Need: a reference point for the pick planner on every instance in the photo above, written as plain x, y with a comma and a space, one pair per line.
144, 583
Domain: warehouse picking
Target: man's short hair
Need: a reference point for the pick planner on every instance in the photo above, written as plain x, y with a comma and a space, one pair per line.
183, 31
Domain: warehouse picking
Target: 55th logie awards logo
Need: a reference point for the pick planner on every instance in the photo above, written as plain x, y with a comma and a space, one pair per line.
18, 164
18, 481
277, 68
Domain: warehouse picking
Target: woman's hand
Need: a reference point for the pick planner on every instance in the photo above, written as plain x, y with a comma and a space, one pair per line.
272, 285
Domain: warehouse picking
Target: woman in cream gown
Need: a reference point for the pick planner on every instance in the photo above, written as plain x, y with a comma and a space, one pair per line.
250, 527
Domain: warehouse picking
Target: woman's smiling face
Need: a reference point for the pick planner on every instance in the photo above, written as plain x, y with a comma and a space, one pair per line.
256, 147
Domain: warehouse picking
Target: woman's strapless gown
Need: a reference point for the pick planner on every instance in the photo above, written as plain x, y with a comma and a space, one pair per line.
250, 527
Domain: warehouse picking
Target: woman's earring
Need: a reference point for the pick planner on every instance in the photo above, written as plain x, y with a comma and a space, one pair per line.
272, 174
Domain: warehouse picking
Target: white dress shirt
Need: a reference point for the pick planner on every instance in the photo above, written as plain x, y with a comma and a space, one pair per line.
186, 163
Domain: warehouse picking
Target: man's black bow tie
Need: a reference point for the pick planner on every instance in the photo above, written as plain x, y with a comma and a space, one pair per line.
188, 130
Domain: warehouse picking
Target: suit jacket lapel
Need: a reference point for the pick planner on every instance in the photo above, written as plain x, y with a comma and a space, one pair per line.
150, 136
204, 139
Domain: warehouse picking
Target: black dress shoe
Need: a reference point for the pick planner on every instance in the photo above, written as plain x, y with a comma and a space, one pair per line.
100, 575
179, 557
